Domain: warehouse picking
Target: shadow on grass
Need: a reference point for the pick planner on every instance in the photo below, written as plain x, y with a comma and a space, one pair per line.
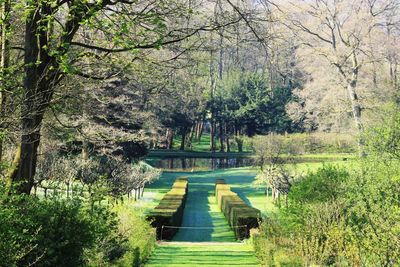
209, 225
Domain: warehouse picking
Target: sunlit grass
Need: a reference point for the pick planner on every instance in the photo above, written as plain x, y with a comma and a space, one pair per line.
204, 144
203, 255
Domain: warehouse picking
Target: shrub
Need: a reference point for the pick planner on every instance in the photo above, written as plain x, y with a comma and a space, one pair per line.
340, 218
240, 216
269, 147
326, 184
50, 232
169, 211
140, 236
271, 247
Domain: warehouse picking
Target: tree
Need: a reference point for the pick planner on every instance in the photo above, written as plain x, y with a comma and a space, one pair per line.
341, 33
53, 44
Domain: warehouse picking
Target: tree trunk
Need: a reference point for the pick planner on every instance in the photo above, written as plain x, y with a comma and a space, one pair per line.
4, 64
221, 137
355, 102
228, 146
201, 129
40, 77
197, 130
191, 134
85, 150
353, 97
184, 130
212, 119
170, 138
212, 135
238, 139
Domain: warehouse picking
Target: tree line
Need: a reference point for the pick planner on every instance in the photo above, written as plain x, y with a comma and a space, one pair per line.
119, 77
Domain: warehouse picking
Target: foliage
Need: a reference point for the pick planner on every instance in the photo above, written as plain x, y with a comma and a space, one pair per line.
249, 101
51, 232
341, 217
384, 140
136, 240
140, 235
269, 147
326, 184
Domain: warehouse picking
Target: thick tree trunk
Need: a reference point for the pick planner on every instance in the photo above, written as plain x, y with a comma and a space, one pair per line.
197, 130
238, 138
352, 80
355, 102
40, 76
184, 130
4, 64
170, 138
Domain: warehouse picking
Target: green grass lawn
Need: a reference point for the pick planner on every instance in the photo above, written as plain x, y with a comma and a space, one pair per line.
203, 145
198, 254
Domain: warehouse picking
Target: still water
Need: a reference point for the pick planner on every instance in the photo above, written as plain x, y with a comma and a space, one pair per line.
199, 163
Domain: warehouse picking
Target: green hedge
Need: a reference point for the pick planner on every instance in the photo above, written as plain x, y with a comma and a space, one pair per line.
236, 211
169, 211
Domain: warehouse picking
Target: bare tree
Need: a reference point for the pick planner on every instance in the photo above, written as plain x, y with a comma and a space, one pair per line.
341, 33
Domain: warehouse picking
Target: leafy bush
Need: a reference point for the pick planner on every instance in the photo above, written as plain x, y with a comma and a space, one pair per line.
271, 247
326, 184
336, 217
50, 232
139, 235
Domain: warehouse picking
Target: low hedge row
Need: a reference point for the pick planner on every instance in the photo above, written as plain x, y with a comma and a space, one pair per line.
236, 211
169, 211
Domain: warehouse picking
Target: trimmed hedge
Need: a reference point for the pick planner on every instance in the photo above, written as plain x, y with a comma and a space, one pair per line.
169, 211
236, 211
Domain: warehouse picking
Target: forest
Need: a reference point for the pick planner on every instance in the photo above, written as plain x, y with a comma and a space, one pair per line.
199, 132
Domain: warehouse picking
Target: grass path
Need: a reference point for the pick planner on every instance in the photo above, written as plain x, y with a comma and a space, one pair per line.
203, 254
201, 210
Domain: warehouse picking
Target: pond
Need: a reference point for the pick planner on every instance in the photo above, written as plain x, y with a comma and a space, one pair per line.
190, 163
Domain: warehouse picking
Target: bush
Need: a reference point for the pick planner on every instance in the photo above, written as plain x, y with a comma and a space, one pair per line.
50, 232
240, 216
140, 236
326, 184
169, 211
271, 247
339, 218
268, 147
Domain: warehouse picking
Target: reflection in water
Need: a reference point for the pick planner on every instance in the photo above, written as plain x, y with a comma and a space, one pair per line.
200, 163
